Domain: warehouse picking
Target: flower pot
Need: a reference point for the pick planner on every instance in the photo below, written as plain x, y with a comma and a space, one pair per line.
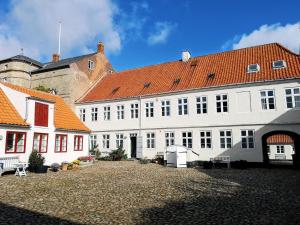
42, 169
64, 167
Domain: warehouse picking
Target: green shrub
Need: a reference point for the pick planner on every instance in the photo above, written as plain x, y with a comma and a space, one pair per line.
36, 161
144, 161
118, 154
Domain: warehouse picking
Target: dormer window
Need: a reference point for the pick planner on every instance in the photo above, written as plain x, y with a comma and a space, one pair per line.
91, 64
253, 68
279, 64
41, 114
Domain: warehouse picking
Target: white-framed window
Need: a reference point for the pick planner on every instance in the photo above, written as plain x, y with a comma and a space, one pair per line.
120, 112
82, 115
91, 64
187, 139
149, 109
280, 149
279, 64
252, 68
222, 103
134, 110
201, 104
225, 139
150, 140
119, 140
182, 106
106, 141
292, 98
267, 99
165, 108
106, 112
94, 114
205, 139
93, 141
247, 137
170, 138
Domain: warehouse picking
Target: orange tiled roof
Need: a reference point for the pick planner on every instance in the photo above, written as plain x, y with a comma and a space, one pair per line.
8, 113
64, 117
280, 139
228, 68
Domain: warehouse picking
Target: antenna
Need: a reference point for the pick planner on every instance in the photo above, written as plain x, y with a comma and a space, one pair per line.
22, 51
59, 36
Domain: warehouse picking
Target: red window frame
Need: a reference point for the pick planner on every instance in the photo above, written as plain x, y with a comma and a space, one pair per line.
78, 143
41, 114
15, 142
40, 142
60, 141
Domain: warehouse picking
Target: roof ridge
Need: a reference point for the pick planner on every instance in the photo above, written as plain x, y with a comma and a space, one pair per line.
65, 59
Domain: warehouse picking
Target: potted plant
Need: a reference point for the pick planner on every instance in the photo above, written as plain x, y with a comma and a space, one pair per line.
36, 162
76, 163
54, 167
64, 166
70, 166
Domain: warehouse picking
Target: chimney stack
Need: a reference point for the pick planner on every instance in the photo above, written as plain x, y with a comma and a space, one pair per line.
55, 57
185, 57
100, 47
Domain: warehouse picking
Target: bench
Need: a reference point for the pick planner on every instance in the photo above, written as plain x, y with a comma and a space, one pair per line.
8, 163
221, 159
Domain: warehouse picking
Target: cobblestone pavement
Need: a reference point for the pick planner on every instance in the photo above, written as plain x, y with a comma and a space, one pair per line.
131, 193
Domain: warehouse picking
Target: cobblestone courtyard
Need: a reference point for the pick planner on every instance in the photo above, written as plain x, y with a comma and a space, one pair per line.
131, 193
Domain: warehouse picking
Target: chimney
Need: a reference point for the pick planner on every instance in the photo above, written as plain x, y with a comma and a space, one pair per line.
55, 57
185, 56
100, 47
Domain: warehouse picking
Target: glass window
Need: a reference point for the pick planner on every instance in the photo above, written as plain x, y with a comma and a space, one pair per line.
292, 97
15, 142
278, 64
106, 141
150, 140
201, 104
165, 108
205, 139
120, 112
187, 139
134, 110
280, 149
94, 114
170, 138
247, 139
60, 143
222, 103
91, 64
93, 141
40, 142
225, 139
119, 140
149, 109
106, 113
78, 143
253, 68
183, 106
82, 114
267, 99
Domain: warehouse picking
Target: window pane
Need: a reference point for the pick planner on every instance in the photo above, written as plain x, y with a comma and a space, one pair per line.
10, 142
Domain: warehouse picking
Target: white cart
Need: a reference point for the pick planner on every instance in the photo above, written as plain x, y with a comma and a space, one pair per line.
176, 156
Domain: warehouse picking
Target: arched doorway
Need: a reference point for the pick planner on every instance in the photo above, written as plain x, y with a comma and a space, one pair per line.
281, 140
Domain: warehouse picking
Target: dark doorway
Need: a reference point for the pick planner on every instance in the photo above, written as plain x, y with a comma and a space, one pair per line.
278, 137
133, 146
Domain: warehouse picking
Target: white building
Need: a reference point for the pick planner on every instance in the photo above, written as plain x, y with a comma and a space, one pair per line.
280, 147
34, 120
221, 104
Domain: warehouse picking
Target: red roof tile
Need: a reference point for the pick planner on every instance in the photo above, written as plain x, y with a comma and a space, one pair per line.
280, 139
8, 113
229, 68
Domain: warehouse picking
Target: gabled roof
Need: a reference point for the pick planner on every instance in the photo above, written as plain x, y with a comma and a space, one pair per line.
64, 63
226, 68
64, 117
280, 139
8, 113
22, 58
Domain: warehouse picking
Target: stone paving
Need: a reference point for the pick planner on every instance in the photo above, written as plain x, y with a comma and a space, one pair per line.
131, 193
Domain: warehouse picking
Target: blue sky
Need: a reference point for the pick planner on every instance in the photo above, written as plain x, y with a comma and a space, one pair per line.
138, 33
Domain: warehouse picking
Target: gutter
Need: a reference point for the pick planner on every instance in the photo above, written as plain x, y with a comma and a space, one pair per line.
187, 91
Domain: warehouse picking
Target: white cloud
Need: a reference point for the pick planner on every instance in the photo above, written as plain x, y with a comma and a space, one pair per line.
33, 25
287, 35
162, 31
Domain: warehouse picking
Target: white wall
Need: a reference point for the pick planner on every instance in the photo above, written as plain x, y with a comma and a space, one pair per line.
244, 113
288, 151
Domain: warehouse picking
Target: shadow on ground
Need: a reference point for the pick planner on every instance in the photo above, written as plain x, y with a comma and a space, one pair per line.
235, 197
10, 215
